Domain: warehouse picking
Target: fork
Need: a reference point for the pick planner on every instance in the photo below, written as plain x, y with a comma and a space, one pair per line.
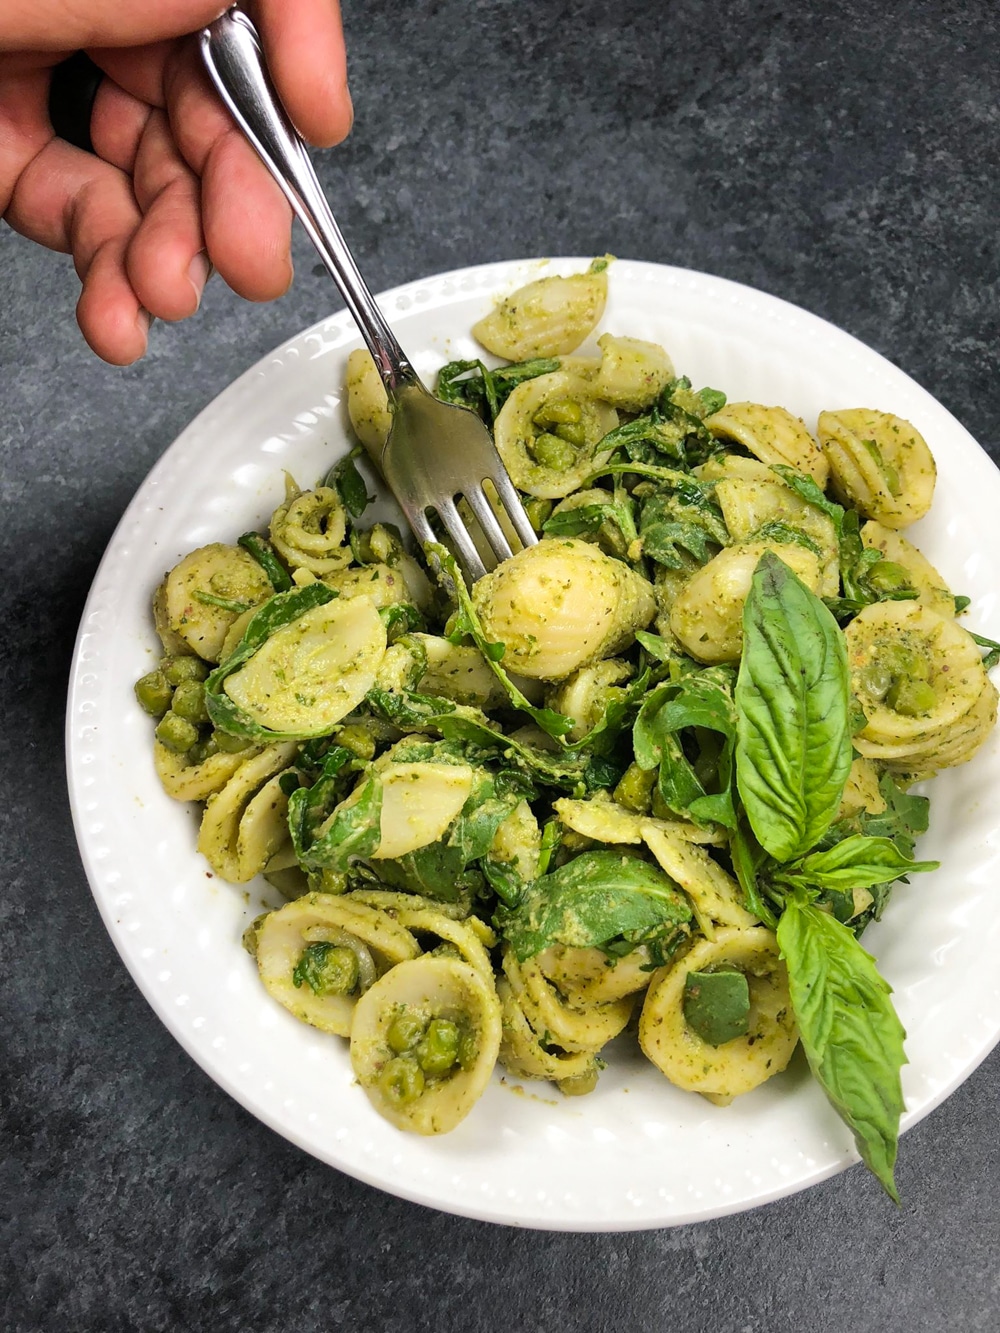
437, 454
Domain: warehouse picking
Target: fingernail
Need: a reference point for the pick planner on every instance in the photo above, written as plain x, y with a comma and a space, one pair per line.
143, 321
199, 271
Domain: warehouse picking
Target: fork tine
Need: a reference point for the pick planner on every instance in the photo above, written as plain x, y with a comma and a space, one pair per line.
511, 501
480, 505
459, 534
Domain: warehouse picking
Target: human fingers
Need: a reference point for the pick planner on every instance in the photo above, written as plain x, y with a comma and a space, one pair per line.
42, 25
165, 260
245, 218
70, 200
304, 44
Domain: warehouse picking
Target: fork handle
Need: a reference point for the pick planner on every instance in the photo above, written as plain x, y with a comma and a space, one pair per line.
232, 54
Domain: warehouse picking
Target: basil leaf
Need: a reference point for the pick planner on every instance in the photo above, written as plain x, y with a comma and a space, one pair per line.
793, 744
350, 831
350, 485
855, 863
274, 614
850, 1032
717, 1005
593, 900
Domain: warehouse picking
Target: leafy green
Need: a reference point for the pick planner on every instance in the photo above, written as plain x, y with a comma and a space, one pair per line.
399, 619
857, 561
793, 746
466, 623
595, 900
471, 384
904, 819
349, 831
717, 1005
407, 709
850, 1032
263, 552
588, 520
854, 863
699, 788
648, 439
349, 484
680, 525
274, 614
439, 870
992, 655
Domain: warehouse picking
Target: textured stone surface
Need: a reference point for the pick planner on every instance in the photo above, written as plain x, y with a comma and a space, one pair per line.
843, 157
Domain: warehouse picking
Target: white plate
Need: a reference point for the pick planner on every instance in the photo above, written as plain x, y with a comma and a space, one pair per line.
637, 1152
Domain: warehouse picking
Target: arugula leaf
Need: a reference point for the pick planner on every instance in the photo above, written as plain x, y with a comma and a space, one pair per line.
588, 520
263, 552
992, 656
904, 819
854, 863
648, 439
856, 560
703, 701
686, 523
850, 1032
594, 900
793, 746
467, 623
347, 832
471, 384
458, 722
349, 484
399, 619
446, 869
274, 614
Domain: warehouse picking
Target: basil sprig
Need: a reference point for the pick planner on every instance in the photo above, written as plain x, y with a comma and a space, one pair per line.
850, 1032
274, 614
793, 746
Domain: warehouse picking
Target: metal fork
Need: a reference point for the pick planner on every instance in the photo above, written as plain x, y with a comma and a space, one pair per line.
437, 453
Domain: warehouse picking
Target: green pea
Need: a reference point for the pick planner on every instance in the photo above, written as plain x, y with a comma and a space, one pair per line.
229, 744
561, 412
153, 693
468, 1047
580, 1084
401, 1081
876, 680
911, 697
635, 790
202, 750
357, 739
327, 969
405, 1031
550, 451
891, 479
573, 432
537, 511
179, 669
176, 733
887, 576
189, 701
438, 1050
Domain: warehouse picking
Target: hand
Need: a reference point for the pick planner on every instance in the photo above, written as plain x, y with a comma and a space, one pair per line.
172, 184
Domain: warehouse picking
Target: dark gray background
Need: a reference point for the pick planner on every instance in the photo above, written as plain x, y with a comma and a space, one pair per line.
843, 157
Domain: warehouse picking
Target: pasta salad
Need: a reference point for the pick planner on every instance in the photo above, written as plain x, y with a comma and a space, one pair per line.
652, 776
